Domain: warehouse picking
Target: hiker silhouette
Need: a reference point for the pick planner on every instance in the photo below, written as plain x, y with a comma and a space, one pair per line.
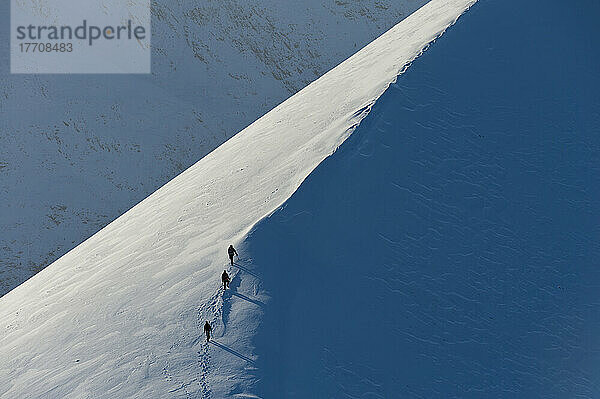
225, 279
207, 330
231, 251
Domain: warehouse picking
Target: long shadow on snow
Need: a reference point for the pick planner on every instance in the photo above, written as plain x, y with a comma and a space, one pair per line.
245, 298
231, 292
245, 269
234, 284
449, 248
228, 349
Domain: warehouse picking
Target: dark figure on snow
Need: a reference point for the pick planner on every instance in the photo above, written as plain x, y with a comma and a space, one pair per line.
207, 330
231, 251
225, 279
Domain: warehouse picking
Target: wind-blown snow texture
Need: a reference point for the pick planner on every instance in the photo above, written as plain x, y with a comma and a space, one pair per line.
120, 316
77, 151
450, 247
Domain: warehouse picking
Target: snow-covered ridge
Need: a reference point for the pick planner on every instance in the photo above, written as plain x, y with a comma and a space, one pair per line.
96, 145
119, 315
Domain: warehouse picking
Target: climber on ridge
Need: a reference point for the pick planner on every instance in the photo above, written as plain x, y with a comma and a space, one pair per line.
207, 330
231, 251
225, 279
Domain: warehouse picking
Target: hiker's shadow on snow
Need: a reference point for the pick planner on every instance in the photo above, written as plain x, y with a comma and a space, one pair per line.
233, 286
235, 353
232, 291
244, 297
245, 269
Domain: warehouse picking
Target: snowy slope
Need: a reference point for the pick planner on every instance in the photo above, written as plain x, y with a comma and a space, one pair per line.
77, 151
120, 315
449, 248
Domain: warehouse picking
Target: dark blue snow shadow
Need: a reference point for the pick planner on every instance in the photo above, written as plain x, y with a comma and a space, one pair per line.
450, 247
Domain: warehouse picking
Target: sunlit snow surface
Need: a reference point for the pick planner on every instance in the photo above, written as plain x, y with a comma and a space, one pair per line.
120, 316
445, 250
450, 247
77, 151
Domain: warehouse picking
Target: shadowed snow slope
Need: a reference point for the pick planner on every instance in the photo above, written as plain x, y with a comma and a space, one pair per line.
120, 315
449, 248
